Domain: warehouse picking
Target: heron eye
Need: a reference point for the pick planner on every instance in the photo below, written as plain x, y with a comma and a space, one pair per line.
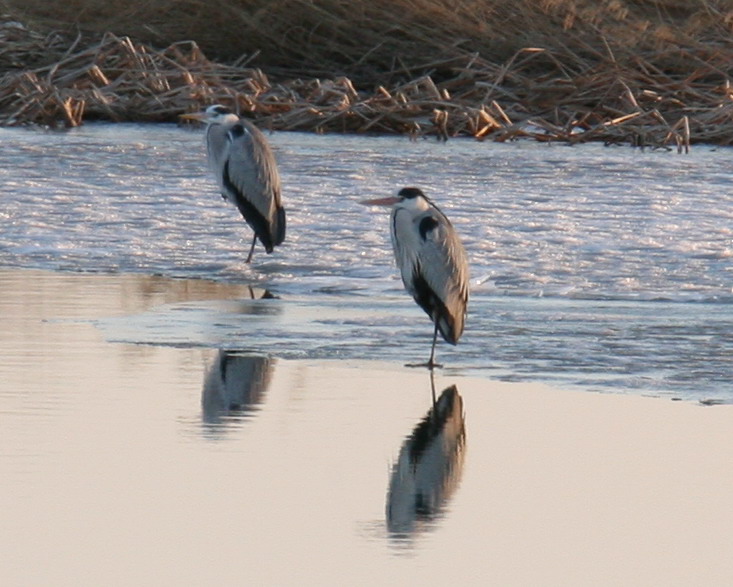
220, 110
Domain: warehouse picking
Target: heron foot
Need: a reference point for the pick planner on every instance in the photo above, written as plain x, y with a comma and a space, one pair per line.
429, 365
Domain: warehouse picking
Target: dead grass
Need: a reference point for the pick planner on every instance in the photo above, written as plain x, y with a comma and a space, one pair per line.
645, 72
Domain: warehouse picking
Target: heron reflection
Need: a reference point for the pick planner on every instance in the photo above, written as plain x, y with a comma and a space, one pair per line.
245, 305
234, 387
429, 467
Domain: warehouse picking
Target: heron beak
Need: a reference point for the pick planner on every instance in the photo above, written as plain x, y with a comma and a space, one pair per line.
194, 116
390, 201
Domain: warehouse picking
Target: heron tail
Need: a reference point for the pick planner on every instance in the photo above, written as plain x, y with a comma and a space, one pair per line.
449, 322
451, 327
279, 229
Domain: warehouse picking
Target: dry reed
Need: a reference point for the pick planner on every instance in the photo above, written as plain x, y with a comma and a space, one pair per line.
405, 77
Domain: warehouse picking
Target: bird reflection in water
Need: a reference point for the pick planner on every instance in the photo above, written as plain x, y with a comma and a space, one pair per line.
428, 469
234, 387
245, 306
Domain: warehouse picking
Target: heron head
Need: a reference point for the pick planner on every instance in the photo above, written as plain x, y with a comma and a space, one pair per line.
215, 114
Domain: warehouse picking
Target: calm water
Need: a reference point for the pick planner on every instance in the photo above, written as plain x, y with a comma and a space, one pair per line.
605, 268
149, 465
164, 421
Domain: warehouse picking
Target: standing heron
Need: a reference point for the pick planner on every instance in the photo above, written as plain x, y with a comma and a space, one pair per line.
246, 170
431, 260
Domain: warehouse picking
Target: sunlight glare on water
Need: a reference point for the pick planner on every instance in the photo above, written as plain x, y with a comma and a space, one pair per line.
606, 267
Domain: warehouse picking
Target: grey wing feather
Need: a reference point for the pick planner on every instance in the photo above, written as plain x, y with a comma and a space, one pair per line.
432, 262
439, 268
246, 170
443, 265
253, 171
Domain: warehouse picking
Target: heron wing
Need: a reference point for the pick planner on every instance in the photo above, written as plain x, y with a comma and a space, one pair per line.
249, 178
437, 275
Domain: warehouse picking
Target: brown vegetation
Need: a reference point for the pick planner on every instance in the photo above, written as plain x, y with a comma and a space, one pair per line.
645, 71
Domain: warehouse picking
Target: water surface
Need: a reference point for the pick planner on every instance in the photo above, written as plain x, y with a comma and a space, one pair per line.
134, 464
598, 267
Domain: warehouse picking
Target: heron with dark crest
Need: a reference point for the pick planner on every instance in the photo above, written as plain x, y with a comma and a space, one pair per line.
246, 171
431, 260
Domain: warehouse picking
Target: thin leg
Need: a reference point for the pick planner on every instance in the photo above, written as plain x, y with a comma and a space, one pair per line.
252, 249
431, 364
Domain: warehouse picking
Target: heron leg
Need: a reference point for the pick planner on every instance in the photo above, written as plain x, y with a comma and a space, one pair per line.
252, 249
431, 361
431, 364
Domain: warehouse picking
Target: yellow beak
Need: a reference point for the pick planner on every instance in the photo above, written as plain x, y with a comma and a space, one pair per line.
194, 116
389, 201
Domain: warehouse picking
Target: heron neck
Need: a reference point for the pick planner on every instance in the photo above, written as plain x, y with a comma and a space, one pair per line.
228, 120
416, 205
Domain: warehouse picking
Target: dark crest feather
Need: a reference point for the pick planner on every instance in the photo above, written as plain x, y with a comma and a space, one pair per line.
410, 193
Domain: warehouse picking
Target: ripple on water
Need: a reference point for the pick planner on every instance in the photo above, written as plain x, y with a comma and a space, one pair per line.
624, 238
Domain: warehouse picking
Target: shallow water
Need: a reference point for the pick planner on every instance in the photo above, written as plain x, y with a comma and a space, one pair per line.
133, 464
604, 268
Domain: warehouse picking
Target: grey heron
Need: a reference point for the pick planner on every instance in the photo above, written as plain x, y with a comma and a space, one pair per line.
431, 260
245, 168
